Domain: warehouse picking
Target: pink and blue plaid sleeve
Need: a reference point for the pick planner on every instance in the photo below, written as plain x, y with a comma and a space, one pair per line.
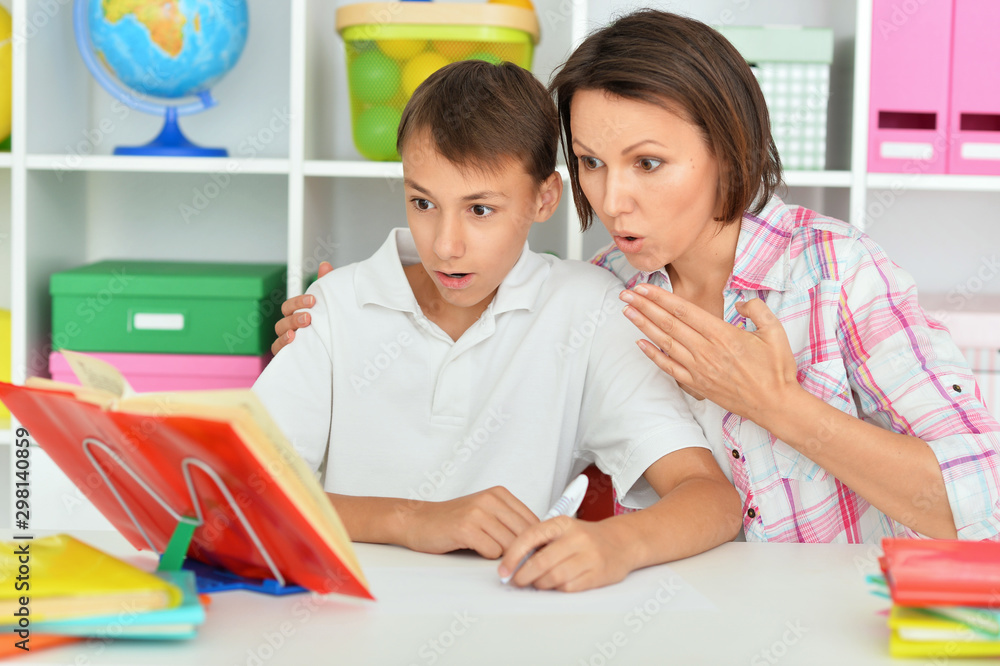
910, 377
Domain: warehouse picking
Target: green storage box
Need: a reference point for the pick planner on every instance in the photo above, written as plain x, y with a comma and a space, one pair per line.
792, 65
167, 307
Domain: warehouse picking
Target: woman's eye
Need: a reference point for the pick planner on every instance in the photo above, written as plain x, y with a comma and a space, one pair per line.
649, 164
480, 210
591, 163
422, 204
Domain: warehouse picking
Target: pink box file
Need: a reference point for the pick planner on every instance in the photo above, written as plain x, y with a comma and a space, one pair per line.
975, 89
172, 372
908, 114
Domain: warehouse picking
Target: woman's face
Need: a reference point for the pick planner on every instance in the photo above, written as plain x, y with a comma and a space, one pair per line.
648, 173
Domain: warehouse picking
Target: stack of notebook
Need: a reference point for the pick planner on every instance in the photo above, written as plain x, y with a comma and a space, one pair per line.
946, 597
73, 589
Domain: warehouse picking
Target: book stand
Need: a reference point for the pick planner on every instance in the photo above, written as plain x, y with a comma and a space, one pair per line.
210, 579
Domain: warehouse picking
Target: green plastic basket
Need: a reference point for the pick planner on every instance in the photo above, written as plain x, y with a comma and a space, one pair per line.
392, 48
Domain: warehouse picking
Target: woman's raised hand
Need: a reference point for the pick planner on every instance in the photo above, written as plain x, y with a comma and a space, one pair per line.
287, 325
747, 373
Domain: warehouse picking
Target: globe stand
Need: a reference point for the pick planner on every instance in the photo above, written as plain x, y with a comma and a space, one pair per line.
171, 142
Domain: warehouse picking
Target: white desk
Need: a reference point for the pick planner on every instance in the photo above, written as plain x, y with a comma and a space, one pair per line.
754, 604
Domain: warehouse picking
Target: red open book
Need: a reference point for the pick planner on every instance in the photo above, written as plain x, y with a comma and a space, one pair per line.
145, 460
942, 572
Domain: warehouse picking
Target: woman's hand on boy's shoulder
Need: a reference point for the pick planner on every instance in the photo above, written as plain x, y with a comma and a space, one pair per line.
574, 555
486, 522
290, 322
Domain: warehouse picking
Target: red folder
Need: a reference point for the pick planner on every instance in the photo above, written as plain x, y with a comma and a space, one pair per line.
134, 463
943, 572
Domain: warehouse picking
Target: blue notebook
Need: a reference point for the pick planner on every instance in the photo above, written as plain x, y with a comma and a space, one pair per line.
170, 624
213, 579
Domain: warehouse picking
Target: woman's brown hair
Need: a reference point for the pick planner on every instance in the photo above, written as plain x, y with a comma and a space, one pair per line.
680, 64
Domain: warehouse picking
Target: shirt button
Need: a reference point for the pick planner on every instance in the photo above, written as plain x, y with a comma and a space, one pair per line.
958, 389
736, 454
751, 513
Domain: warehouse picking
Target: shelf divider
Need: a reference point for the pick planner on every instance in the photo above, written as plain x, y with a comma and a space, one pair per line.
257, 165
926, 181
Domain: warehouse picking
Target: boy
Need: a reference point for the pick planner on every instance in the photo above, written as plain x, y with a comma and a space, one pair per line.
455, 380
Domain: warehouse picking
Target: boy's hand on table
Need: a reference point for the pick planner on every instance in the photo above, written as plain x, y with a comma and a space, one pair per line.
286, 326
573, 555
486, 522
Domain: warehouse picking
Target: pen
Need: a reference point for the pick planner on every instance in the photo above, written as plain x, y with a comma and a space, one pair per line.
564, 506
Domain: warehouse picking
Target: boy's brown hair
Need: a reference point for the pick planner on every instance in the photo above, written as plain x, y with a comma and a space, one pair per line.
481, 114
684, 66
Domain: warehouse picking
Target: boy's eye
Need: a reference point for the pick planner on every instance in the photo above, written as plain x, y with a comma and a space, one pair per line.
422, 204
480, 210
591, 163
649, 164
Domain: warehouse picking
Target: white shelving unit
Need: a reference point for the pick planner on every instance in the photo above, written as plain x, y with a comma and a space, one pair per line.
296, 191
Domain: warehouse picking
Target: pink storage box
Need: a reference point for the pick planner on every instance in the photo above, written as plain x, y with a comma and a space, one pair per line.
172, 372
975, 89
908, 114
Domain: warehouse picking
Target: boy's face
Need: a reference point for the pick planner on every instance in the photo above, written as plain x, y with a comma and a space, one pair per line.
470, 226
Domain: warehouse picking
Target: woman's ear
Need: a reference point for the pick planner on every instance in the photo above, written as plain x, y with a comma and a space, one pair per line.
549, 194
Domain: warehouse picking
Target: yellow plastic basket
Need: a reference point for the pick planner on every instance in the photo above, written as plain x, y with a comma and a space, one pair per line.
393, 46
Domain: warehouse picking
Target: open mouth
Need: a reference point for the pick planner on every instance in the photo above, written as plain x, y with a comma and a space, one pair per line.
455, 280
629, 244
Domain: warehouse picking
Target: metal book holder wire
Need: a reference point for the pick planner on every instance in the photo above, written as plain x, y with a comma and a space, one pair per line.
210, 579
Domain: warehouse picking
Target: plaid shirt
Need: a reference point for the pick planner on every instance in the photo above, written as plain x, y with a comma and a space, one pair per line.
862, 344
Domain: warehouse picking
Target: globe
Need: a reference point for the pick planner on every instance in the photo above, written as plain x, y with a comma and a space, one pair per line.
167, 49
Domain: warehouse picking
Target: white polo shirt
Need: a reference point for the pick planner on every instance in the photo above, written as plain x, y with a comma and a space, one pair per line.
547, 380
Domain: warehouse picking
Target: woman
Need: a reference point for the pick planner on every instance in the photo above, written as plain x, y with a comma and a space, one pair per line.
841, 410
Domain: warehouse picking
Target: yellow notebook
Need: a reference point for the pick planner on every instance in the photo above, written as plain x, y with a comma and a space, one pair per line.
915, 633
66, 578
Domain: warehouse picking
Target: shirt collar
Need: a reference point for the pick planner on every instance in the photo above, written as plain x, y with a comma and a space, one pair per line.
380, 280
763, 251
